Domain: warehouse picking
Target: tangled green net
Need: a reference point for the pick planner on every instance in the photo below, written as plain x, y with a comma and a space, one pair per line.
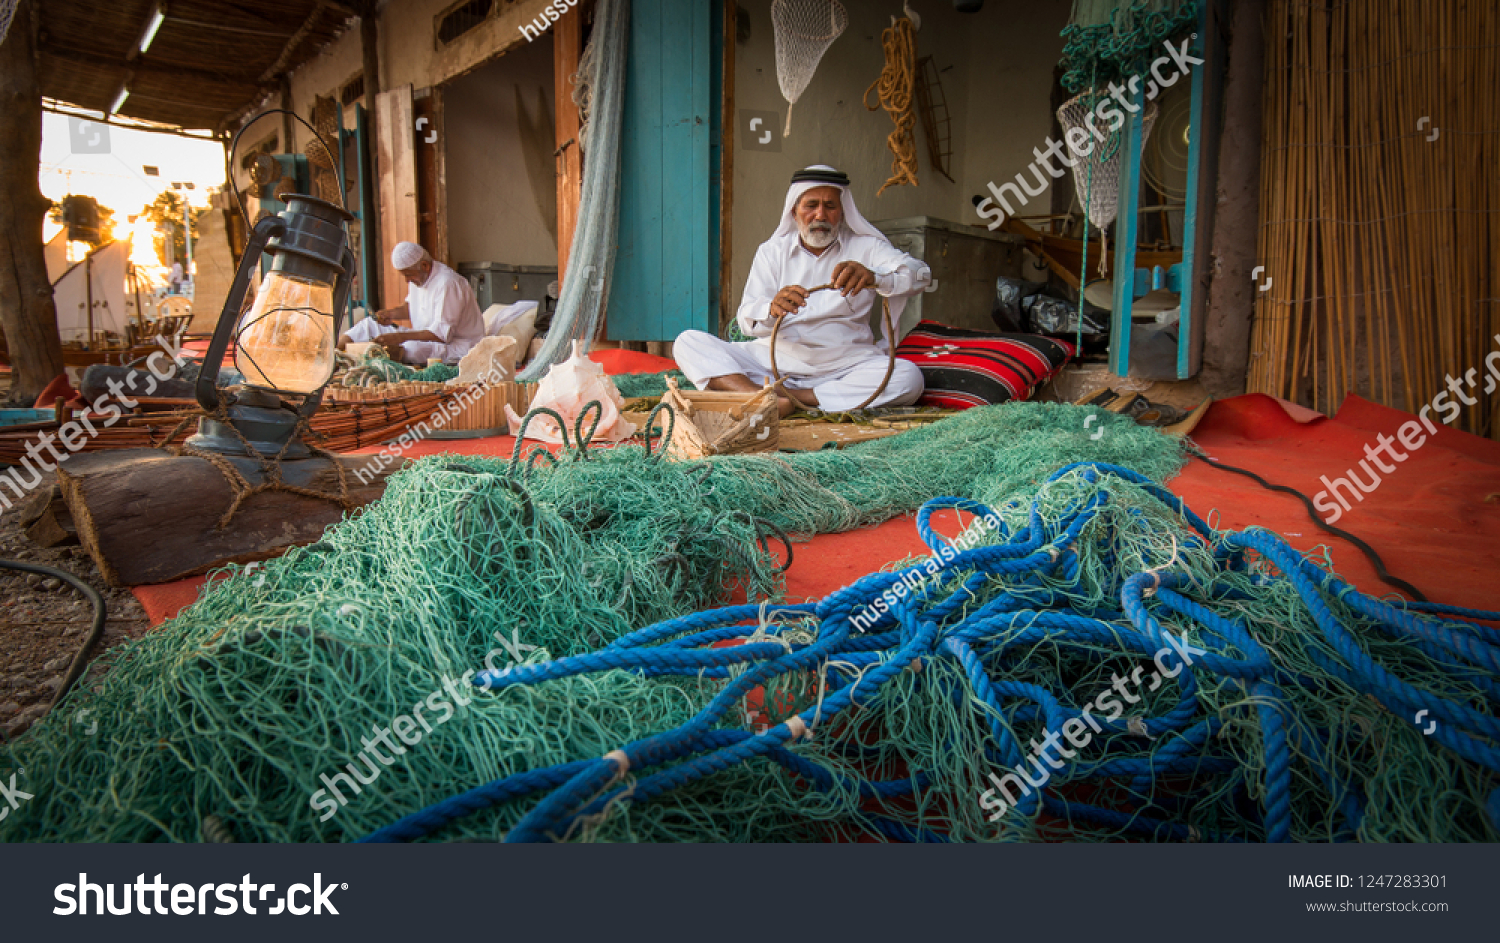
1110, 40
633, 385
238, 706
376, 366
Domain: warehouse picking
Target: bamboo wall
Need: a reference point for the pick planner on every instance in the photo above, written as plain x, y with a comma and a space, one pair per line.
1382, 246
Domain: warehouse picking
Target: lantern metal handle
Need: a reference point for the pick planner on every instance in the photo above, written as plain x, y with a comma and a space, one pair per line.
207, 390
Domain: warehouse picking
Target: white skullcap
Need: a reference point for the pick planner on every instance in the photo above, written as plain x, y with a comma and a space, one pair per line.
407, 254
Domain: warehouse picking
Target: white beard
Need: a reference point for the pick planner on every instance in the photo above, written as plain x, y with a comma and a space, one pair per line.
818, 239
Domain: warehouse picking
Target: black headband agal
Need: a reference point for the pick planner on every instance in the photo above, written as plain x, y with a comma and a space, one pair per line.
835, 178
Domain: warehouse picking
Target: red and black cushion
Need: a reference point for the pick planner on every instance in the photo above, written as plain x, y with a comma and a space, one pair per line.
963, 368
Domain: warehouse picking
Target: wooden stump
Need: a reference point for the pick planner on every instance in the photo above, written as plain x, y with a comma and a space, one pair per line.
45, 518
149, 517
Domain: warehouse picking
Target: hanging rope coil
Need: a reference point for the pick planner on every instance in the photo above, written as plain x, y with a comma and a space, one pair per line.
890, 334
894, 90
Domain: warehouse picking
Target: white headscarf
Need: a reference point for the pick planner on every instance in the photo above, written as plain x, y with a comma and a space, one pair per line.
853, 221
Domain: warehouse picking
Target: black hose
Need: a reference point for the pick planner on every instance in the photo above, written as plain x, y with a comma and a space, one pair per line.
80, 660
1312, 511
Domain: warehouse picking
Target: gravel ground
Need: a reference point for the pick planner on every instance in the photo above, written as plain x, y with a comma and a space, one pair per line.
43, 622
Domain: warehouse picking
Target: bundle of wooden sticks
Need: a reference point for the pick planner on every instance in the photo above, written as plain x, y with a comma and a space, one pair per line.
483, 409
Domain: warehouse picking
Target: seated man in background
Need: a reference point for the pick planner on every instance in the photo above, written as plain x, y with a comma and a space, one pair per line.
825, 350
440, 306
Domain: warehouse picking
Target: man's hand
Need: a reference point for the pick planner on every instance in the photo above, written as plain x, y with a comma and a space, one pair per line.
788, 300
851, 278
389, 316
391, 342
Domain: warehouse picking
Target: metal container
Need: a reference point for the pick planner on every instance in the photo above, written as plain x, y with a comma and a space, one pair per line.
965, 261
498, 283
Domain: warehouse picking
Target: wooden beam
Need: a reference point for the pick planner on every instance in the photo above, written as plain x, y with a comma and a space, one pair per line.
567, 46
397, 185
296, 40
369, 45
117, 495
726, 171
95, 62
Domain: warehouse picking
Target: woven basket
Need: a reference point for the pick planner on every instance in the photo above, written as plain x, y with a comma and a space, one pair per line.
717, 423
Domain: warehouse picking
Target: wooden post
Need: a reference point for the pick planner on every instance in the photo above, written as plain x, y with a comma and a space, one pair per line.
726, 171
88, 287
369, 40
567, 46
27, 312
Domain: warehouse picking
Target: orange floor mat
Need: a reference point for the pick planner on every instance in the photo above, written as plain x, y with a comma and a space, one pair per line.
1434, 519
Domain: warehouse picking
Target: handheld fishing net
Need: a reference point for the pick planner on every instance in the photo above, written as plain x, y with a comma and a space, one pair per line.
1097, 176
585, 289
804, 31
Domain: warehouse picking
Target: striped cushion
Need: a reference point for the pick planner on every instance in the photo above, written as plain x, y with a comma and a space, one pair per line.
969, 368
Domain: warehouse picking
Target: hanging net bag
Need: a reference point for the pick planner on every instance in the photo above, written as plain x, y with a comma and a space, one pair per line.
1097, 176
804, 31
7, 12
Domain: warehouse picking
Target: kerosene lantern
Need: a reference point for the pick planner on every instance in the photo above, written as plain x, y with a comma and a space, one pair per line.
284, 343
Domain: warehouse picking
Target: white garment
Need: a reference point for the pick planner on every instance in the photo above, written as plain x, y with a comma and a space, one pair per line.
830, 332
826, 345
703, 356
446, 306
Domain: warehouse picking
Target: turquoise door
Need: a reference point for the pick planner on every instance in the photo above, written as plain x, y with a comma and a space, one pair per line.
667, 259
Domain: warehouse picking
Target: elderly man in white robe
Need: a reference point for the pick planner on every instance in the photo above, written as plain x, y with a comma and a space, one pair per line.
440, 306
825, 350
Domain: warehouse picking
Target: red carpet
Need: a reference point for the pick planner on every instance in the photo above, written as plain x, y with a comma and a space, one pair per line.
1435, 519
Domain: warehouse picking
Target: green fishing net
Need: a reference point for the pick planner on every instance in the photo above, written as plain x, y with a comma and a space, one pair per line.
1111, 40
239, 706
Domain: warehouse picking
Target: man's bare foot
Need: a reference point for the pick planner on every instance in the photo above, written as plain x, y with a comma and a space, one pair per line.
785, 405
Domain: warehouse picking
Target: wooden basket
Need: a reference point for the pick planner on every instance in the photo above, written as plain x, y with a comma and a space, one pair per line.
485, 412
717, 423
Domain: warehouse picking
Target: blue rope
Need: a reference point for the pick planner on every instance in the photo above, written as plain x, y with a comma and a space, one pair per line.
943, 620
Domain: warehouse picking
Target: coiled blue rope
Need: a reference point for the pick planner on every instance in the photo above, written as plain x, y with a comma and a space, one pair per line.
940, 621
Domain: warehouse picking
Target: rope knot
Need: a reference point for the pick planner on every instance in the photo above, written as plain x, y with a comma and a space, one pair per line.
1137, 726
798, 728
